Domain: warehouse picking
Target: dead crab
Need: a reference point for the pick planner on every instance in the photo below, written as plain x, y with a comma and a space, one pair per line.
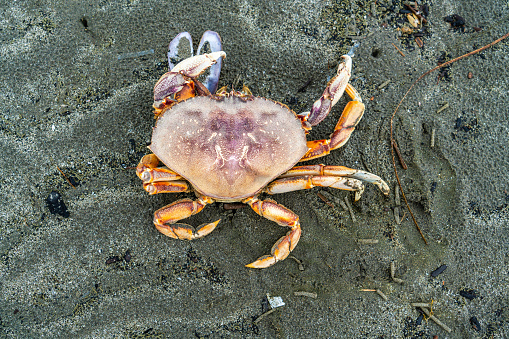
231, 147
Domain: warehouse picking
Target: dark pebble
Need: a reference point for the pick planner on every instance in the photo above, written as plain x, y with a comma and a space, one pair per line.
113, 259
127, 256
475, 324
56, 204
438, 270
470, 294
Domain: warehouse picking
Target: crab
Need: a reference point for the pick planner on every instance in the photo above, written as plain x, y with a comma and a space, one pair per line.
233, 146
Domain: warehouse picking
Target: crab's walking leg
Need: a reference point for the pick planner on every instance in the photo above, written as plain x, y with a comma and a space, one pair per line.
166, 217
304, 177
282, 216
350, 117
159, 179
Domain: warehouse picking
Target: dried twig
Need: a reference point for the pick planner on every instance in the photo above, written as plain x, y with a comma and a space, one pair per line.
324, 199
404, 97
398, 49
401, 160
347, 202
69, 181
305, 294
435, 319
257, 320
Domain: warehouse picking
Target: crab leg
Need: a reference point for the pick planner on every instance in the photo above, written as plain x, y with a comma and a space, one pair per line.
350, 117
282, 216
159, 179
166, 217
148, 171
309, 181
318, 175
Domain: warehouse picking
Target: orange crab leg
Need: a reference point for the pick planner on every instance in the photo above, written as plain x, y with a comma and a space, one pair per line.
309, 181
148, 171
166, 187
166, 217
350, 117
318, 171
282, 216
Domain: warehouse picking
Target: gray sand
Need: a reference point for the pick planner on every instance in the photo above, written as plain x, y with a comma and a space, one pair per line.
104, 271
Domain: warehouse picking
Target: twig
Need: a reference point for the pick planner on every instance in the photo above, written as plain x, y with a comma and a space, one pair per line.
393, 271
257, 320
324, 199
401, 160
438, 322
347, 201
380, 293
301, 267
383, 85
69, 181
398, 49
404, 97
367, 241
305, 294
443, 107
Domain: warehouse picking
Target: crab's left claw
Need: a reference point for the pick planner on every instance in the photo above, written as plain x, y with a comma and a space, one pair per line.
175, 80
214, 41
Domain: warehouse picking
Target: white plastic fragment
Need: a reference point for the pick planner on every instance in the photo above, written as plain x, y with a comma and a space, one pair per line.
275, 301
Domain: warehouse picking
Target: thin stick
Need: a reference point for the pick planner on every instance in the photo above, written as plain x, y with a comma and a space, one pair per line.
69, 181
367, 241
435, 319
404, 97
347, 201
398, 49
305, 294
257, 320
380, 293
400, 157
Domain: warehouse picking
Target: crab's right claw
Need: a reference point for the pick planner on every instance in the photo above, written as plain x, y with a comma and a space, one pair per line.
332, 93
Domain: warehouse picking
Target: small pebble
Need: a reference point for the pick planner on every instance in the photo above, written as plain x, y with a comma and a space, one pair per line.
475, 324
56, 204
438, 270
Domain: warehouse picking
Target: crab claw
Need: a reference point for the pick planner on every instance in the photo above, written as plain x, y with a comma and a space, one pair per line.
334, 90
214, 41
174, 80
173, 48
